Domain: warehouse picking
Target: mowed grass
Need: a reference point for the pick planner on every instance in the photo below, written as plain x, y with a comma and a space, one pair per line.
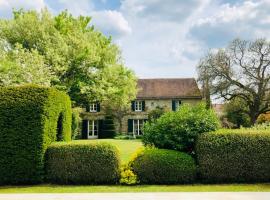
126, 147
139, 188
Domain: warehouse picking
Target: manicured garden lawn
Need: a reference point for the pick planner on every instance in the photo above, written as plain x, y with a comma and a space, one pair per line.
126, 147
141, 188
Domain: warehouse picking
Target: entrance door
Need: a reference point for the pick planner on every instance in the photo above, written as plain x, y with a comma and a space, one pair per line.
92, 129
137, 126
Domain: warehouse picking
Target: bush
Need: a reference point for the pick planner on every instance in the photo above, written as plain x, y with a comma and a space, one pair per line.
82, 163
234, 156
31, 117
178, 130
76, 120
161, 166
108, 129
127, 176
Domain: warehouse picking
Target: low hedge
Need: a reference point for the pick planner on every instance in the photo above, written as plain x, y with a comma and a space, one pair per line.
234, 156
161, 166
82, 163
31, 118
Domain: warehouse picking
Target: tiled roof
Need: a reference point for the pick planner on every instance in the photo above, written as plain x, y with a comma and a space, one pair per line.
163, 88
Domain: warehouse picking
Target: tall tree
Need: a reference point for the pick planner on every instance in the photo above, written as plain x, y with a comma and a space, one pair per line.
242, 70
69, 48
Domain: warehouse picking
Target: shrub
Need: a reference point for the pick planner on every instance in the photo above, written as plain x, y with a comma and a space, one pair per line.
31, 117
127, 176
108, 129
161, 166
178, 130
82, 163
234, 155
76, 120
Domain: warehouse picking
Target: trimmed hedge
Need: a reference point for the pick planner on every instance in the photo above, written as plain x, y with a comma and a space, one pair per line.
83, 163
31, 117
161, 166
234, 156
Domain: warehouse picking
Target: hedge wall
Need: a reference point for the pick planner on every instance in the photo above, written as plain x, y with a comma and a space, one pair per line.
161, 166
234, 156
31, 117
82, 163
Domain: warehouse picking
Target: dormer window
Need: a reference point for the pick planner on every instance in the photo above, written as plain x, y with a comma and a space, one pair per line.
138, 106
93, 107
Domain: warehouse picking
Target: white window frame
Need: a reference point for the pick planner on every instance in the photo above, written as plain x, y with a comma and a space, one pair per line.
178, 103
138, 106
91, 132
138, 126
93, 107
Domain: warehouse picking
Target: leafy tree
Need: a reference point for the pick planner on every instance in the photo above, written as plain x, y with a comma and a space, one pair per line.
236, 112
120, 90
18, 65
155, 114
242, 70
68, 48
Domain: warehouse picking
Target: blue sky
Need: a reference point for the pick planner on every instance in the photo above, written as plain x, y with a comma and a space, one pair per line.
164, 38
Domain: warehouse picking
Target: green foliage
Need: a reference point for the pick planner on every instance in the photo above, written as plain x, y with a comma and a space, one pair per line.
161, 166
178, 130
154, 114
236, 112
108, 129
82, 163
31, 118
19, 65
127, 176
84, 62
234, 155
76, 122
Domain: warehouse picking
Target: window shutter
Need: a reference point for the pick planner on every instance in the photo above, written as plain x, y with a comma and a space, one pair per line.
87, 107
133, 105
100, 128
143, 105
173, 105
98, 107
84, 129
130, 125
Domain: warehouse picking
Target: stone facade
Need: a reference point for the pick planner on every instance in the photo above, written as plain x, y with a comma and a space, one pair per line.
152, 93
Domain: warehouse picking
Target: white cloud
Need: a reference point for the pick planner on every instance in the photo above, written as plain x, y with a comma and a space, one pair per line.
6, 6
247, 20
111, 23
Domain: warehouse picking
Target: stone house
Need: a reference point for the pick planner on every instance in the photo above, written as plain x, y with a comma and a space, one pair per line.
168, 93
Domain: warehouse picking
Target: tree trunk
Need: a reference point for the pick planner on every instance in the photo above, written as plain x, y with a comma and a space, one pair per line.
253, 117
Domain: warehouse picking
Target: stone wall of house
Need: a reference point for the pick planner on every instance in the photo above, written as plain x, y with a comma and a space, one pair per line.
149, 105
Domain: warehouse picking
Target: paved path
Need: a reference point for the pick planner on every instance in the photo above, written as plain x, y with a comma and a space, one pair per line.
143, 196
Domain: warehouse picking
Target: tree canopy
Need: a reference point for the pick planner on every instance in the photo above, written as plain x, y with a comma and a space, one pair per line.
242, 70
65, 52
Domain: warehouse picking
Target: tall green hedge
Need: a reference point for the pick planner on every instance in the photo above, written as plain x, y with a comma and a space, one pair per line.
162, 166
31, 117
234, 156
79, 162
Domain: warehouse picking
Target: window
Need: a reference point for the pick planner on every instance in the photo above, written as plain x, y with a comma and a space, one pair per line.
178, 104
92, 128
93, 107
137, 126
138, 106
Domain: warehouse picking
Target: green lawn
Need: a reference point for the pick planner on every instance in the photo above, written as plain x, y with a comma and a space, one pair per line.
141, 188
126, 147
